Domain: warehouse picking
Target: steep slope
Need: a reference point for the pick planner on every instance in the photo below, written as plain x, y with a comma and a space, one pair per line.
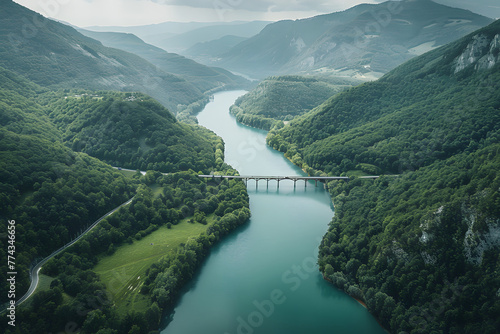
49, 191
204, 78
366, 39
282, 98
130, 130
391, 122
422, 250
55, 55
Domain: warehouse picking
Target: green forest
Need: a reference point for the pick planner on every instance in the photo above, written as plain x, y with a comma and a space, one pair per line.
130, 130
282, 98
56, 148
85, 128
77, 295
61, 131
420, 249
56, 55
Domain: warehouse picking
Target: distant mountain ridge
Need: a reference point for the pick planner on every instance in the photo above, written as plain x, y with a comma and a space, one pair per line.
202, 77
208, 52
180, 43
179, 36
54, 55
402, 244
364, 39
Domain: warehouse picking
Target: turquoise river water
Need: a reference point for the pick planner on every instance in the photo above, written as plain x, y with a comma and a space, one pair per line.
263, 278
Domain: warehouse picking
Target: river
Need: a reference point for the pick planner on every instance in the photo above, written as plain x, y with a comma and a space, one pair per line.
263, 278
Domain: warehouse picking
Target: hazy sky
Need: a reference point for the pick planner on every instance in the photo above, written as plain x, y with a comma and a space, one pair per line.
85, 13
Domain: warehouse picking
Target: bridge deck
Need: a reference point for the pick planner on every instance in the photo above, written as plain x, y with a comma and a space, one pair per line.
294, 178
252, 177
278, 178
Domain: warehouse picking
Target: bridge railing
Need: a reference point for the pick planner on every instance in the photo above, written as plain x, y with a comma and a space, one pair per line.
294, 178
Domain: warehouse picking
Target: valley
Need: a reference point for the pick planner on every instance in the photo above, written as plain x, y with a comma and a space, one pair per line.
400, 88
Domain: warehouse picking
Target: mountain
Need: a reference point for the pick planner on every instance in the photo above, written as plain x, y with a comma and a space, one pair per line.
208, 52
43, 182
180, 36
54, 184
420, 249
179, 43
55, 55
130, 130
367, 39
202, 77
164, 28
282, 98
489, 8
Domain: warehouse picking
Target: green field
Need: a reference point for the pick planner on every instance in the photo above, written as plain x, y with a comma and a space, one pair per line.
123, 271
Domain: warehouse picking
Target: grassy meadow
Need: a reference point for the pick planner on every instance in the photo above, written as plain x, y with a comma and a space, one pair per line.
122, 271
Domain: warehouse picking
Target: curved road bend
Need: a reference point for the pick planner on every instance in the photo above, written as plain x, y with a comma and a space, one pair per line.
36, 269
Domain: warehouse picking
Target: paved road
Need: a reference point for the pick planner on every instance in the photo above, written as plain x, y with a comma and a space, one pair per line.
130, 170
34, 273
36, 269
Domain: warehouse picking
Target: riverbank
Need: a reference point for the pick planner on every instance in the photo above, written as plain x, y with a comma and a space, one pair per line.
275, 253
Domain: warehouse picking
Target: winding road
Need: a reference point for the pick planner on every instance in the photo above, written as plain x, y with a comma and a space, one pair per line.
34, 273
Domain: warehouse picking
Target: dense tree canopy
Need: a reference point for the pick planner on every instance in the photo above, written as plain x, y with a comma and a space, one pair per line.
130, 130
182, 195
422, 249
284, 97
54, 186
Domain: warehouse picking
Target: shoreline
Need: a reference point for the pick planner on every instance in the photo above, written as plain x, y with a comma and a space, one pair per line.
356, 299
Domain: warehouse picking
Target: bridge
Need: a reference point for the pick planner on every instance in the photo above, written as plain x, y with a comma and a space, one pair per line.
278, 179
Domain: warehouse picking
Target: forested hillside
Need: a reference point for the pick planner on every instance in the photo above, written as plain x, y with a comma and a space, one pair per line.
206, 79
93, 302
130, 130
51, 191
54, 55
422, 249
283, 98
418, 113
55, 183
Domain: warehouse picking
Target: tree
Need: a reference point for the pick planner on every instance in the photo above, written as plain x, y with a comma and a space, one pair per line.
135, 330
94, 321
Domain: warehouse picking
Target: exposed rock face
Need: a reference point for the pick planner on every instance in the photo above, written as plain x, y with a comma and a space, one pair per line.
482, 51
476, 243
